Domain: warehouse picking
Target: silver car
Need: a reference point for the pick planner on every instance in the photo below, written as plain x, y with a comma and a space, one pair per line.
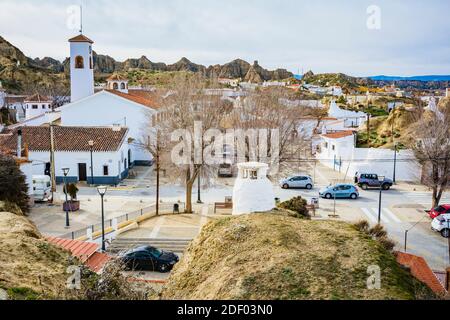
297, 182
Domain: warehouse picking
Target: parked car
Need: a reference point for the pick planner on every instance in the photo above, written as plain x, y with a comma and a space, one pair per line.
442, 209
339, 191
42, 188
225, 170
442, 224
370, 180
300, 181
150, 259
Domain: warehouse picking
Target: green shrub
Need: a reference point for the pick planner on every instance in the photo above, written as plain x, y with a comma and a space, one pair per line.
72, 191
297, 205
13, 186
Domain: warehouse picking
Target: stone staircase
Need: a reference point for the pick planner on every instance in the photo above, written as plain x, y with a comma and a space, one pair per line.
124, 244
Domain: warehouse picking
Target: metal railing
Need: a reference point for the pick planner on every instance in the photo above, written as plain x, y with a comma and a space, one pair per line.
164, 208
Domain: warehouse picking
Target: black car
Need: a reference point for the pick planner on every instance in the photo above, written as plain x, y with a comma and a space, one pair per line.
149, 259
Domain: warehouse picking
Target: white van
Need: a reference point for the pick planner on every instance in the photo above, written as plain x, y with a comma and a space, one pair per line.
42, 188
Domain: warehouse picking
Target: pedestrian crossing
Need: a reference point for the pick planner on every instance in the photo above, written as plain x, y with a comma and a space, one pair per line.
387, 216
425, 198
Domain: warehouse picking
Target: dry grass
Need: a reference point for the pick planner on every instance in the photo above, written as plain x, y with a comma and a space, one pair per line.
31, 268
274, 256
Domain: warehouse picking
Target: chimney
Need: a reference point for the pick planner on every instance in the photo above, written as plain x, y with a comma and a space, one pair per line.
19, 143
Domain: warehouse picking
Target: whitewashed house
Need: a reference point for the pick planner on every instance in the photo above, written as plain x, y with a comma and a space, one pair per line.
351, 118
116, 106
338, 151
36, 105
72, 146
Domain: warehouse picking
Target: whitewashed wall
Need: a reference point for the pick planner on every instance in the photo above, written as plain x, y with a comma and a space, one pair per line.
369, 160
27, 170
106, 109
114, 160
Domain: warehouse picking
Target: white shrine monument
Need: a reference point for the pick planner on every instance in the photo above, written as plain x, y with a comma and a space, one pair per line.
253, 192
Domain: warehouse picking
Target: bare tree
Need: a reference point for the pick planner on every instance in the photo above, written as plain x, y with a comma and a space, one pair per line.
267, 109
431, 144
185, 104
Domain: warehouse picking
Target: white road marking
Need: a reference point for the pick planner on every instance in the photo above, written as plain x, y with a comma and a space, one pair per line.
369, 215
391, 215
383, 218
157, 228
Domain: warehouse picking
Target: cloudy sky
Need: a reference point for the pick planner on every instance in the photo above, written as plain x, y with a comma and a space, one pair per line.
397, 37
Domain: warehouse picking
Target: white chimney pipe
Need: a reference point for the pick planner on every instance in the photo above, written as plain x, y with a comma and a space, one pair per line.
19, 143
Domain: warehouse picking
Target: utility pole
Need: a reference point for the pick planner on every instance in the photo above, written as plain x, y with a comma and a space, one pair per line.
368, 121
52, 161
395, 163
157, 172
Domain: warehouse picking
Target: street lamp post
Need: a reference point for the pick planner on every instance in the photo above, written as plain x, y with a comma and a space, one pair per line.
91, 147
66, 172
381, 180
199, 198
102, 191
395, 162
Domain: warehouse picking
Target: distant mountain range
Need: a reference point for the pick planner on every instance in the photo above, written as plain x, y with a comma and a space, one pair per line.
18, 71
413, 78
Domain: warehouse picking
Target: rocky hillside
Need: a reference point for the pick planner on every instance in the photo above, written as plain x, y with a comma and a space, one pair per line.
335, 79
18, 72
276, 256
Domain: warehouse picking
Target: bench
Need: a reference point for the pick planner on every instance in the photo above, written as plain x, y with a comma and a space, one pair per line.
222, 205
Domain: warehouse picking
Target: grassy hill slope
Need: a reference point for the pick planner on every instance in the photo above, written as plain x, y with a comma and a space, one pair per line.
31, 268
274, 256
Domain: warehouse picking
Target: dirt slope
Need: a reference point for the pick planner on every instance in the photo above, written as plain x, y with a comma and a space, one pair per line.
30, 267
273, 256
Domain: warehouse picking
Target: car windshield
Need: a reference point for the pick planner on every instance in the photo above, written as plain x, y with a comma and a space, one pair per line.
157, 253
439, 209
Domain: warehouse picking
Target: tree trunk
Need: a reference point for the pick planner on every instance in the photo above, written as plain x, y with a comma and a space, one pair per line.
436, 197
189, 198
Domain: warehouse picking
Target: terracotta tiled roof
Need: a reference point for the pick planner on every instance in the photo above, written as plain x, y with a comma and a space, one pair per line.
38, 98
338, 135
80, 249
145, 101
15, 99
420, 270
66, 138
81, 38
97, 261
116, 77
85, 251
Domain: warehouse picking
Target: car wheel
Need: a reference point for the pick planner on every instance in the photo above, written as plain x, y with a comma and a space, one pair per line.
328, 196
354, 196
364, 186
445, 233
309, 186
386, 187
285, 186
163, 268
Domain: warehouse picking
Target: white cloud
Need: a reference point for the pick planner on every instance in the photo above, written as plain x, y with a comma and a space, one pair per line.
324, 35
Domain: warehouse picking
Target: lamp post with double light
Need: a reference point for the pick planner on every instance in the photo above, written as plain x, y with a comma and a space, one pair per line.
65, 173
91, 147
102, 191
381, 181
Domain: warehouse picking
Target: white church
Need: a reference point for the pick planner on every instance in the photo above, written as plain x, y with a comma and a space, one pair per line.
114, 106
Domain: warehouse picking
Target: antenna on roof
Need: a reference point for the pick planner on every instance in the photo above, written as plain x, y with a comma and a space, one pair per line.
81, 19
